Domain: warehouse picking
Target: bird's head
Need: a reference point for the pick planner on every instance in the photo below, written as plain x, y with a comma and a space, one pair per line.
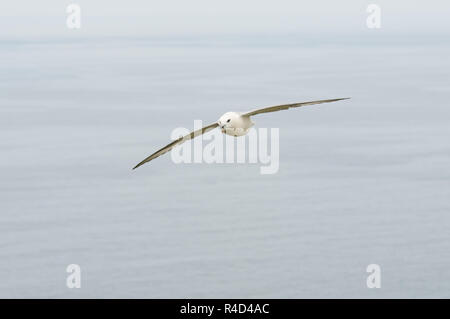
228, 120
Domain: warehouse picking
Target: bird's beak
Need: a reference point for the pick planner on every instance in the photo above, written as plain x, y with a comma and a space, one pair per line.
222, 127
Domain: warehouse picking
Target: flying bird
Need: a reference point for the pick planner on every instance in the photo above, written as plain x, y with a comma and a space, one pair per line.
232, 123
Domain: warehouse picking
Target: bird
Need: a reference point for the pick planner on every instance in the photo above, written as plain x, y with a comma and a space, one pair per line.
232, 123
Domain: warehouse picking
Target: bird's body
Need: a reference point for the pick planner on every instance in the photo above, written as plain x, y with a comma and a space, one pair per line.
231, 123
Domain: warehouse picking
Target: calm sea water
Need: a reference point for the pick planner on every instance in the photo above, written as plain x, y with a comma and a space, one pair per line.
362, 181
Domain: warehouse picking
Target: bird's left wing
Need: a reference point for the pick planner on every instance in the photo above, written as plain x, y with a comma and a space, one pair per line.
288, 106
181, 140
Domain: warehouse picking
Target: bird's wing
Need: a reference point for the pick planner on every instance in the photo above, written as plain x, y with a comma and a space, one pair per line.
181, 140
288, 106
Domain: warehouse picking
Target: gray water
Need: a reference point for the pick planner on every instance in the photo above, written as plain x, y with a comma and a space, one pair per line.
361, 181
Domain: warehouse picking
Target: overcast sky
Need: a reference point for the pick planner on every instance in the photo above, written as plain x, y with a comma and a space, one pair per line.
198, 17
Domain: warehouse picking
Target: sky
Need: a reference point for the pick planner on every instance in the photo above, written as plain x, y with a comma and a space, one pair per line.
47, 18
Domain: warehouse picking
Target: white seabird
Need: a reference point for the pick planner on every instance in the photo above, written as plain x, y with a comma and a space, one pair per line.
231, 123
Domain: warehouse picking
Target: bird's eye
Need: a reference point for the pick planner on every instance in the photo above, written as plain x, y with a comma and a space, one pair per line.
228, 120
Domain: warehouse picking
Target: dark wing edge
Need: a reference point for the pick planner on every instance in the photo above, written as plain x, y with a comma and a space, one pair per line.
176, 142
288, 106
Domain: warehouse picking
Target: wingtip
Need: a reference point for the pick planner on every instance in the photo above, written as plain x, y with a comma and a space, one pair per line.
140, 164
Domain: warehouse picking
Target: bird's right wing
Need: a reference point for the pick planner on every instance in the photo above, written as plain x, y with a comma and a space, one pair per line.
181, 140
288, 106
